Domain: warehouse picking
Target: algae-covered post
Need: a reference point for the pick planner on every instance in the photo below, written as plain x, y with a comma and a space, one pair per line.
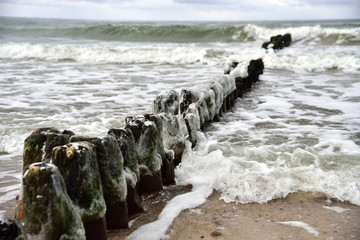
49, 212
110, 163
78, 165
94, 183
167, 103
174, 135
149, 145
126, 143
39, 145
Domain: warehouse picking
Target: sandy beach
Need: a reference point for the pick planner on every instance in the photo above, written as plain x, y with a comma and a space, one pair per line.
324, 218
215, 219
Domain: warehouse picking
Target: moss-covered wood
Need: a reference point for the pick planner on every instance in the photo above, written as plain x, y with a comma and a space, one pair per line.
168, 104
78, 165
49, 212
38, 146
175, 134
126, 142
149, 144
110, 163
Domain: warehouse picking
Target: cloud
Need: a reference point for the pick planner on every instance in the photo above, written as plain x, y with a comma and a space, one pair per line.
231, 10
330, 2
206, 2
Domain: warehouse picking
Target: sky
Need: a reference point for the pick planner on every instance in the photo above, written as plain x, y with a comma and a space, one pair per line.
182, 10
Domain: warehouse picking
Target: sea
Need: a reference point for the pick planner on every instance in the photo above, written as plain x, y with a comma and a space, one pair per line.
298, 129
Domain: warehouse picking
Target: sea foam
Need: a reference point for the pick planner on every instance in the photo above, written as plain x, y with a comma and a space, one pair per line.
303, 225
157, 229
107, 53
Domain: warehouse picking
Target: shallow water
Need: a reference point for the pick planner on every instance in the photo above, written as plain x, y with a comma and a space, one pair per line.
296, 130
291, 133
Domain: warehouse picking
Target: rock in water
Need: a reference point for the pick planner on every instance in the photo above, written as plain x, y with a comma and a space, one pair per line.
110, 163
78, 165
49, 212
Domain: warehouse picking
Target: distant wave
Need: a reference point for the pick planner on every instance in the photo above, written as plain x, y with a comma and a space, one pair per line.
316, 34
187, 33
139, 32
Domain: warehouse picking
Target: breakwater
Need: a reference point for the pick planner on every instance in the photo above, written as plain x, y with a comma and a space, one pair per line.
87, 185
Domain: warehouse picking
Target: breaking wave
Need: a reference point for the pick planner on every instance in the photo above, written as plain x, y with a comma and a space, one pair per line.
185, 32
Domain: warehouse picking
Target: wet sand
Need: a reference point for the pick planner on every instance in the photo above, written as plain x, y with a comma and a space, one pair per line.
153, 205
216, 219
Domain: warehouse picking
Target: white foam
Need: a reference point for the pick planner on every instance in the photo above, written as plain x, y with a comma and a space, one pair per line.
10, 188
303, 225
106, 53
241, 70
9, 196
195, 211
313, 59
157, 229
2, 214
247, 174
337, 209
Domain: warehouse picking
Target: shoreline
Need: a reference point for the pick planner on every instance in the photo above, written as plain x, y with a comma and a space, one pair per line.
153, 205
219, 220
215, 219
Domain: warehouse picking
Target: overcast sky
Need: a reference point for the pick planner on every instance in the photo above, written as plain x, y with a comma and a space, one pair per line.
224, 10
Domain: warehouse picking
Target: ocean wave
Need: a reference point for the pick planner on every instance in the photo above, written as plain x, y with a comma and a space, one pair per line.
187, 32
137, 32
315, 34
313, 61
262, 173
295, 58
104, 54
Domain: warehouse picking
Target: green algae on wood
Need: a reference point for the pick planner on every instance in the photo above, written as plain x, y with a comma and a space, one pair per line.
49, 212
150, 148
149, 143
110, 163
168, 104
126, 142
78, 165
38, 146
174, 133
